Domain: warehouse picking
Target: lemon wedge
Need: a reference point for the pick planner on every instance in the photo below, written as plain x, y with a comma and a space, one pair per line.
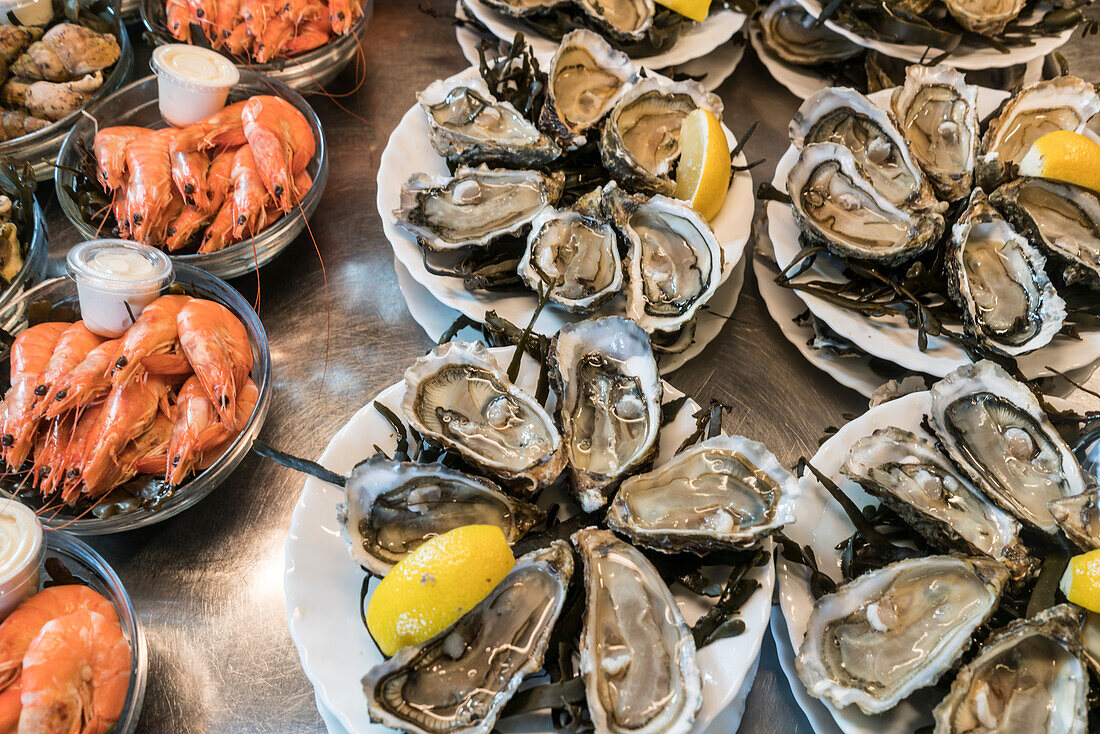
1081, 581
429, 589
694, 9
1064, 156
703, 174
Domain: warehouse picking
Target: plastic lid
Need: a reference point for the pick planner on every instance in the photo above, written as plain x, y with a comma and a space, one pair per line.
109, 265
194, 67
10, 5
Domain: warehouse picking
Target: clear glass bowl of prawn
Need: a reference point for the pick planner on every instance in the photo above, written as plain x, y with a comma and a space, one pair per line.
307, 72
137, 104
143, 502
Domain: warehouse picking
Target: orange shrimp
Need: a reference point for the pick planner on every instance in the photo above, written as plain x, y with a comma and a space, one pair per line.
184, 227
49, 456
128, 411
120, 207
11, 706
30, 354
23, 625
178, 19
84, 384
256, 13
189, 175
223, 128
220, 232
33, 347
219, 179
204, 12
236, 40
249, 195
75, 344
282, 142
146, 454
277, 34
247, 398
216, 343
149, 190
73, 455
311, 34
153, 332
196, 415
223, 21
344, 13
110, 152
301, 11
75, 675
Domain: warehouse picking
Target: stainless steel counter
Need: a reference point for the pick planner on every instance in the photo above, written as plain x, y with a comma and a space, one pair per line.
209, 584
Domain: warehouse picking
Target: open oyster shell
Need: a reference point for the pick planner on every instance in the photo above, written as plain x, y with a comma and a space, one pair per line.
1058, 217
837, 205
609, 403
987, 17
575, 256
458, 396
391, 508
641, 136
637, 653
911, 477
1079, 517
585, 79
794, 35
1027, 677
860, 640
523, 8
1000, 282
475, 206
843, 116
459, 680
623, 20
937, 112
724, 493
996, 430
468, 125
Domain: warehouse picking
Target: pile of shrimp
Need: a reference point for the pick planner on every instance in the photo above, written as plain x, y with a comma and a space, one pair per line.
64, 663
84, 414
262, 29
215, 182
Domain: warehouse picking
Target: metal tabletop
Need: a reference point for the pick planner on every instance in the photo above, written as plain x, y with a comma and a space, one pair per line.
208, 584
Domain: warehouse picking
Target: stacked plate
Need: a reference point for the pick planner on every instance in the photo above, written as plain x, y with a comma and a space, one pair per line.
707, 51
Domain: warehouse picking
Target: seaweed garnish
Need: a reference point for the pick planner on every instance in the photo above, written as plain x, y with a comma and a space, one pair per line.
708, 424
820, 583
721, 621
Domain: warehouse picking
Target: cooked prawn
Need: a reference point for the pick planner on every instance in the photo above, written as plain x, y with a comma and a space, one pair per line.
249, 195
178, 18
128, 411
74, 345
154, 332
195, 416
283, 143
149, 189
85, 383
110, 152
189, 176
247, 397
33, 347
73, 455
223, 128
343, 14
217, 346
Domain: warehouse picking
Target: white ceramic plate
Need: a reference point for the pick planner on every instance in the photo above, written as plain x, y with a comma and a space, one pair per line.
409, 151
710, 70
697, 39
967, 55
892, 338
322, 583
815, 711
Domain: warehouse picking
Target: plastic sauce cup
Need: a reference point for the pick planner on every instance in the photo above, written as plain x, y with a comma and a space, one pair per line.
22, 550
34, 12
115, 281
192, 82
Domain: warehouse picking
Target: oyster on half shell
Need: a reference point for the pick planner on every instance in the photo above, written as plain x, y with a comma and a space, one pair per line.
461, 679
996, 430
575, 256
724, 493
458, 396
860, 640
1079, 517
794, 35
521, 8
1000, 283
920, 484
623, 20
987, 17
391, 507
609, 403
637, 653
1027, 677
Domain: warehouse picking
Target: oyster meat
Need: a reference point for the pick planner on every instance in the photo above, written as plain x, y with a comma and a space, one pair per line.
843, 116
391, 507
475, 206
726, 492
637, 653
1058, 217
674, 262
468, 125
890, 632
458, 396
609, 403
1027, 677
937, 113
522, 8
575, 256
585, 80
1000, 283
1079, 517
623, 20
987, 17
837, 205
459, 680
996, 430
920, 484
1062, 103
794, 35
641, 137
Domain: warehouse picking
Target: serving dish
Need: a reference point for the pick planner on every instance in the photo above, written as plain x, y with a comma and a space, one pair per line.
36, 242
125, 509
137, 105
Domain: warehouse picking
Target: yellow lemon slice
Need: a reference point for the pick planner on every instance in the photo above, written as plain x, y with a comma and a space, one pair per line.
428, 590
1081, 581
703, 174
694, 9
1064, 156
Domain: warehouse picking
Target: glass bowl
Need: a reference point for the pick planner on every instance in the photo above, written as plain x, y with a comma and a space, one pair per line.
125, 512
130, 10
308, 72
34, 263
136, 104
40, 148
89, 567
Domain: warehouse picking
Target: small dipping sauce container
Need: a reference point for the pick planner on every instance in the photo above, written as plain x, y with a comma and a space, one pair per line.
116, 280
22, 549
28, 12
192, 82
